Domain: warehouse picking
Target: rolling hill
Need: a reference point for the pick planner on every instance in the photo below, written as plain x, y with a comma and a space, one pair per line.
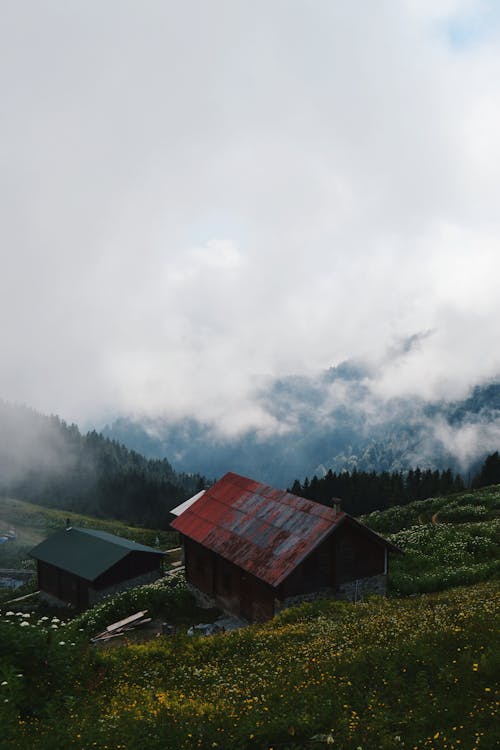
417, 671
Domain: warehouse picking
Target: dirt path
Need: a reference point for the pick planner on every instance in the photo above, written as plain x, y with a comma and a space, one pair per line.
422, 520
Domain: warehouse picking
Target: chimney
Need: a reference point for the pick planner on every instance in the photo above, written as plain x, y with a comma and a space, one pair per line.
336, 503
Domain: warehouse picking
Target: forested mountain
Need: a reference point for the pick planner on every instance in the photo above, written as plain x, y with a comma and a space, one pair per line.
46, 461
329, 422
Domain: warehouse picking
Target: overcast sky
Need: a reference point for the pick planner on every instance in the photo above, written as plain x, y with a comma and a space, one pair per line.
198, 196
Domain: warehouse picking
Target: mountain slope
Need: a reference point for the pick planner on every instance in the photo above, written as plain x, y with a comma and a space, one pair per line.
333, 422
46, 461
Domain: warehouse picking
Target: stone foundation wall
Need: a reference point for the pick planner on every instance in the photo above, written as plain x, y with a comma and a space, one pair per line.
203, 600
95, 595
355, 591
352, 591
53, 601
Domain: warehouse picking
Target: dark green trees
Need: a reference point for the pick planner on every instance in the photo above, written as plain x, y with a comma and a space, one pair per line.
362, 492
490, 471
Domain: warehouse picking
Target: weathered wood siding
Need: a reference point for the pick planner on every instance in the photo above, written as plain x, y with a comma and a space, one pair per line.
357, 555
199, 564
80, 593
62, 585
313, 574
133, 565
348, 554
228, 585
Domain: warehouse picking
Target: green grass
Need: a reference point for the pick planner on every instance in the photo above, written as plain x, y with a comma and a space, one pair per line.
34, 523
482, 504
417, 673
447, 541
168, 599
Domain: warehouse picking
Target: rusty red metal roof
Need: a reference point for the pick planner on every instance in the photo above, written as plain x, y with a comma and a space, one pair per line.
265, 531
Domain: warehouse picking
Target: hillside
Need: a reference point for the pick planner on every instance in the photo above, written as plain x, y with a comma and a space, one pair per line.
415, 672
332, 420
418, 672
448, 541
45, 461
33, 523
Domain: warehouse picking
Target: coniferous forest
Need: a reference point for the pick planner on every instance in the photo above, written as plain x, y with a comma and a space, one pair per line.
363, 492
48, 462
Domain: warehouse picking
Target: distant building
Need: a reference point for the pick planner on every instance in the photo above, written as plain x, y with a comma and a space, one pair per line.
254, 550
78, 567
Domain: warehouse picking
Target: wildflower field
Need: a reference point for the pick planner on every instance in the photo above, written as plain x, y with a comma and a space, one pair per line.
412, 672
417, 672
447, 541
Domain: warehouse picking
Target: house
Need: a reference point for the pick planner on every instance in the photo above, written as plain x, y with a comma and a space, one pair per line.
78, 567
255, 550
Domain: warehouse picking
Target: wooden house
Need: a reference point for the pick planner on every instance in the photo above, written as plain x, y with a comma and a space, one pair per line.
254, 550
78, 567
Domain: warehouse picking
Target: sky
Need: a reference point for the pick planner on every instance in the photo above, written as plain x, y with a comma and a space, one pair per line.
198, 197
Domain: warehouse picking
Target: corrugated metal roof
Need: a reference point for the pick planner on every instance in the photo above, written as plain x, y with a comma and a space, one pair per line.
86, 553
265, 531
179, 509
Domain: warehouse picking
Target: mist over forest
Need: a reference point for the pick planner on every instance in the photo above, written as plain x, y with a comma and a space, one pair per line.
333, 421
48, 462
325, 427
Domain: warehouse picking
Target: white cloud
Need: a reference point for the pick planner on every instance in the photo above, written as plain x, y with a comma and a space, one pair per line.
194, 196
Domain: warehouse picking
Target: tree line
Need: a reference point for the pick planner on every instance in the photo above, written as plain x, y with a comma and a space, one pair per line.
363, 492
48, 462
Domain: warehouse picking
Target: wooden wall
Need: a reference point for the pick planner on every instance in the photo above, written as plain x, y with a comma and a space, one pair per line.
232, 588
348, 554
357, 554
133, 565
74, 590
313, 574
62, 585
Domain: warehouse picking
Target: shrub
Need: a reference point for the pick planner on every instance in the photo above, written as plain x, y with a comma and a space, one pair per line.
169, 597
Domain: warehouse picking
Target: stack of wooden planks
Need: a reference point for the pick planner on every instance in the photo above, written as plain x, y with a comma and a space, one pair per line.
117, 629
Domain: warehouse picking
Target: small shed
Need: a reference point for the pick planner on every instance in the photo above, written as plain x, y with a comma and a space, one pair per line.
78, 566
254, 550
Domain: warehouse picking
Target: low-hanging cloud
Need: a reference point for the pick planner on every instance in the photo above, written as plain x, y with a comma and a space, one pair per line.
197, 198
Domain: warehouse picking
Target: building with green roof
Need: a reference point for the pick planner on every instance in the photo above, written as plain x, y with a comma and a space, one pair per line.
78, 566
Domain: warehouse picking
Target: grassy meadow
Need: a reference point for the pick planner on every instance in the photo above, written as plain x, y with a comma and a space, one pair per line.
415, 671
34, 523
447, 541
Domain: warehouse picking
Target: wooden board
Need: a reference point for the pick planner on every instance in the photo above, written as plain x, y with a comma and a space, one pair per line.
126, 621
